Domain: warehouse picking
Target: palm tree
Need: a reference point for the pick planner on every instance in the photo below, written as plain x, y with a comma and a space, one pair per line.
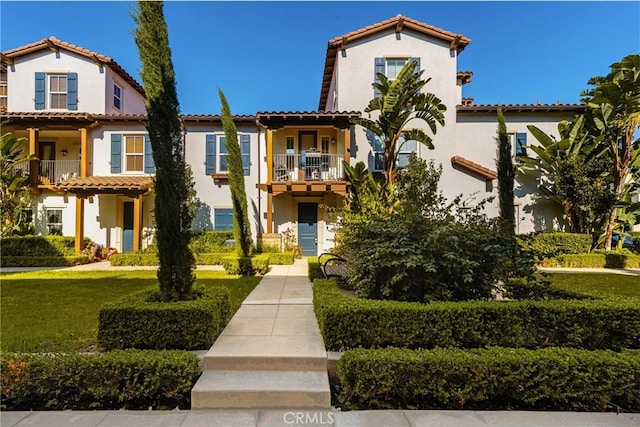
614, 115
401, 101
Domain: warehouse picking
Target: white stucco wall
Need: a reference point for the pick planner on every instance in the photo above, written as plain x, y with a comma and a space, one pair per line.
132, 101
100, 146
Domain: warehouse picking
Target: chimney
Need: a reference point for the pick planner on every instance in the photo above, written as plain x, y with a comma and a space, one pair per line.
467, 102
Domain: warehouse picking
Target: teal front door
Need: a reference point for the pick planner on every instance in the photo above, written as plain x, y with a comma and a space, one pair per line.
127, 229
308, 228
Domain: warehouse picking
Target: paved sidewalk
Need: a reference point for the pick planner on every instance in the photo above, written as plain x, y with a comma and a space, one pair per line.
314, 417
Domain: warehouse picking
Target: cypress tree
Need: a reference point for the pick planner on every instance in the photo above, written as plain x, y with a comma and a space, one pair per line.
506, 175
173, 186
241, 227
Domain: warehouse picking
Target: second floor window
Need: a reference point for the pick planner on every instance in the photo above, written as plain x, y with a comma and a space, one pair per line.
117, 97
134, 153
393, 67
3, 91
216, 153
57, 91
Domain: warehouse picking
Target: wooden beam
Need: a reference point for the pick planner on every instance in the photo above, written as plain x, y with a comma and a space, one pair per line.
269, 213
79, 224
399, 24
34, 165
137, 222
84, 150
51, 45
269, 156
346, 133
6, 59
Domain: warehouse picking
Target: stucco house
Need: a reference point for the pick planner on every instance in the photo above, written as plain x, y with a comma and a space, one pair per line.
83, 116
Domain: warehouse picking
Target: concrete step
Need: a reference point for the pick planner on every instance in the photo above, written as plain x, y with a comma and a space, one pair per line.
259, 389
271, 353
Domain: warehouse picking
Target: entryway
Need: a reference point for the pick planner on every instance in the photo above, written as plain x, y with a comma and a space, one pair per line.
308, 228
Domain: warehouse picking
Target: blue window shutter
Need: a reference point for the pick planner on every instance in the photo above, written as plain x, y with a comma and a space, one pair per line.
116, 153
149, 166
39, 97
521, 141
417, 70
245, 149
210, 158
72, 91
223, 219
378, 67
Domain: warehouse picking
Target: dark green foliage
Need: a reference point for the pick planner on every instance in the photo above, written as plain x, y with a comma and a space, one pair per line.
43, 261
210, 241
134, 259
39, 246
506, 176
241, 227
282, 258
549, 245
588, 324
522, 289
609, 259
494, 378
128, 379
246, 266
173, 185
313, 268
142, 321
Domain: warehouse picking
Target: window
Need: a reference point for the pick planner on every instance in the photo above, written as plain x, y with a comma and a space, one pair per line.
290, 145
223, 219
27, 216
325, 144
3, 91
393, 67
405, 150
216, 153
57, 91
117, 96
378, 153
222, 155
134, 153
54, 221
521, 142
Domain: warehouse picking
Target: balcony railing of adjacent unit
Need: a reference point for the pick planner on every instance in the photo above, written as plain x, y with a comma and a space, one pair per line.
55, 171
307, 167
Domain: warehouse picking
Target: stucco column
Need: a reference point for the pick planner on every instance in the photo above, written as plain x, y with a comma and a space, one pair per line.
34, 169
269, 158
137, 222
346, 133
84, 149
79, 224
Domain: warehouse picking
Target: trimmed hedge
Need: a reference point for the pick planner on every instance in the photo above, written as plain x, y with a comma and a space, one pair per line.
594, 260
313, 268
128, 379
43, 261
210, 241
140, 321
281, 258
494, 378
246, 266
210, 258
550, 245
39, 246
134, 259
348, 323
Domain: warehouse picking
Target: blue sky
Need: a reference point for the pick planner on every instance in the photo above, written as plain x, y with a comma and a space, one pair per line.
269, 56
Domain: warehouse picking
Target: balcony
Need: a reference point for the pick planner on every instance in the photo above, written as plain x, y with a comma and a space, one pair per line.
51, 172
309, 166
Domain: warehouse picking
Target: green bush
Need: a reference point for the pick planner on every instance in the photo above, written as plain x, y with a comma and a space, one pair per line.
140, 321
313, 269
211, 241
348, 323
246, 266
128, 379
134, 259
596, 259
592, 260
39, 246
522, 289
43, 261
550, 245
282, 258
210, 258
494, 378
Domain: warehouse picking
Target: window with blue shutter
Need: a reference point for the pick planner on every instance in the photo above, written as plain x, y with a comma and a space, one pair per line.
116, 153
378, 67
72, 91
210, 155
39, 94
417, 69
521, 141
245, 149
149, 166
223, 219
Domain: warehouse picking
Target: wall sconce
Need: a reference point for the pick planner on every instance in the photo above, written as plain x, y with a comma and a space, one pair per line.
333, 140
64, 153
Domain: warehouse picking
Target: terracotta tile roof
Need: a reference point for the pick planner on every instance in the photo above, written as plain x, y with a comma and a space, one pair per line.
55, 44
99, 183
474, 167
69, 116
399, 23
277, 119
464, 77
215, 118
522, 108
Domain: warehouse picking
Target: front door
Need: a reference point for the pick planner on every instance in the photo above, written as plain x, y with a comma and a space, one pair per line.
127, 227
47, 156
308, 228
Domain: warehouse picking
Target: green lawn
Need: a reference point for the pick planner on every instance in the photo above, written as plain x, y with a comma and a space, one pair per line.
49, 311
600, 284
